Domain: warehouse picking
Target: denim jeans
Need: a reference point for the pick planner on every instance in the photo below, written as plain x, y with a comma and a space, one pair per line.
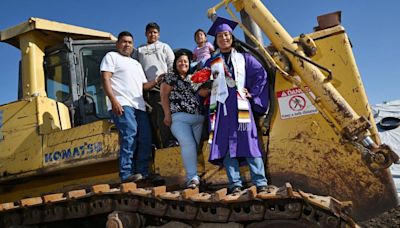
187, 130
135, 142
257, 173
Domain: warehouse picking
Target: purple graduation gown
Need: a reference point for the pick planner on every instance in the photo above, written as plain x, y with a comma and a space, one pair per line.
227, 138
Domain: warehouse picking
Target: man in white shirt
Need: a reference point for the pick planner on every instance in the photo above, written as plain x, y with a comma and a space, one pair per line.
156, 58
123, 82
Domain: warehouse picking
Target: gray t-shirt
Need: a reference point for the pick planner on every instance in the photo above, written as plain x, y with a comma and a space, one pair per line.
156, 58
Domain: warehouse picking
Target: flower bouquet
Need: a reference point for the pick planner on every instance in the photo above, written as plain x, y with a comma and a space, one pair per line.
202, 78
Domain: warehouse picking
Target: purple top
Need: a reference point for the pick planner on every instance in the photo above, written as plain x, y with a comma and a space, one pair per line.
227, 137
203, 53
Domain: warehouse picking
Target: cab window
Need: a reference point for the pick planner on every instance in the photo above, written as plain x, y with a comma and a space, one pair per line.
57, 76
91, 59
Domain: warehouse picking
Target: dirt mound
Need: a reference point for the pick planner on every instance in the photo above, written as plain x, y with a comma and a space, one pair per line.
388, 219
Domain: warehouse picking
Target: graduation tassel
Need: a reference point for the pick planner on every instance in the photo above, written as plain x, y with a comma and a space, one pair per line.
225, 111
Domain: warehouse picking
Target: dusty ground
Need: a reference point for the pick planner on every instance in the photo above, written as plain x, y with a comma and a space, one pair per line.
387, 219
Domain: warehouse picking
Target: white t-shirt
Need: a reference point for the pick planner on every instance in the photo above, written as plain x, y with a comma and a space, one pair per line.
127, 80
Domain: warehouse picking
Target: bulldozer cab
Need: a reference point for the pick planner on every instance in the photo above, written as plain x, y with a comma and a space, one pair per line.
73, 78
57, 120
62, 63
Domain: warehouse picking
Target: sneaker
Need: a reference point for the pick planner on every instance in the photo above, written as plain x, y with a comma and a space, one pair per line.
194, 183
134, 178
236, 190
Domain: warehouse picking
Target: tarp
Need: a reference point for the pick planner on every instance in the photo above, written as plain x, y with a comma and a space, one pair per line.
390, 137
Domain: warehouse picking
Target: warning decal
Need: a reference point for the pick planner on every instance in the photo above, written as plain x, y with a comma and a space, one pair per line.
294, 103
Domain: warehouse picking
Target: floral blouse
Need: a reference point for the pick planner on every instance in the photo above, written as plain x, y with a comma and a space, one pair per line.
182, 97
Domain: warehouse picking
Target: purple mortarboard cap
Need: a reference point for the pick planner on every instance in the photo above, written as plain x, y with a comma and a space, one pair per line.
221, 25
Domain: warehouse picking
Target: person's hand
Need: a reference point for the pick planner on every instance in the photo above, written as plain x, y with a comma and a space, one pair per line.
117, 108
167, 120
204, 92
246, 93
160, 78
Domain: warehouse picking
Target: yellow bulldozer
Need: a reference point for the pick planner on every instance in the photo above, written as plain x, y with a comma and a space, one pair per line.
59, 150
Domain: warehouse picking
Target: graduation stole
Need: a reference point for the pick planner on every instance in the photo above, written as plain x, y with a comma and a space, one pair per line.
222, 78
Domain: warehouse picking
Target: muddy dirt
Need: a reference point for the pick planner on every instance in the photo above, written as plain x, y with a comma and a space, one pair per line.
387, 219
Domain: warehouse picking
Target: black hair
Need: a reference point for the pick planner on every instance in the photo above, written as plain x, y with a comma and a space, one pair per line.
152, 25
197, 31
178, 54
235, 44
124, 33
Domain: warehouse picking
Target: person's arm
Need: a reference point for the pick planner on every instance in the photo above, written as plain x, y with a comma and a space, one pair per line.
152, 83
256, 85
170, 57
194, 56
164, 95
211, 47
116, 106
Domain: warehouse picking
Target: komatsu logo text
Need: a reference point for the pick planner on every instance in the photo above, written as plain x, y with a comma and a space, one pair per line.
74, 152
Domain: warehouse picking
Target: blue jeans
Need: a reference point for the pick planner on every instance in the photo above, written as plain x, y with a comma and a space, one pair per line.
256, 166
187, 130
135, 142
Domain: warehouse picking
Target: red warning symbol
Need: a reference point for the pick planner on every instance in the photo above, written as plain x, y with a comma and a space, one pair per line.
297, 103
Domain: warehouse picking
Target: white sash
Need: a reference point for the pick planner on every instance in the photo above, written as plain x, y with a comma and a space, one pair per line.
219, 91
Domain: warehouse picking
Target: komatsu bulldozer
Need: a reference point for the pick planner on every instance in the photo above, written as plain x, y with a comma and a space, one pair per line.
59, 150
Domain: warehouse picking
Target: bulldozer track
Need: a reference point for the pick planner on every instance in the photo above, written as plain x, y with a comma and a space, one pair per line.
188, 205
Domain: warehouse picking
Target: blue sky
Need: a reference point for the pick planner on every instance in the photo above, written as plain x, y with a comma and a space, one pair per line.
371, 25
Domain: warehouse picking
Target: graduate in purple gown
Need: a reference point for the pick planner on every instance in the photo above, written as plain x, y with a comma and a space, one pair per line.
239, 89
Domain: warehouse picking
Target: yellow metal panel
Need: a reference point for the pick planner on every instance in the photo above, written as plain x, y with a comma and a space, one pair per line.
71, 29
48, 119
94, 128
310, 74
80, 146
63, 113
52, 28
307, 152
335, 52
32, 48
168, 163
90, 157
238, 5
15, 30
21, 143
